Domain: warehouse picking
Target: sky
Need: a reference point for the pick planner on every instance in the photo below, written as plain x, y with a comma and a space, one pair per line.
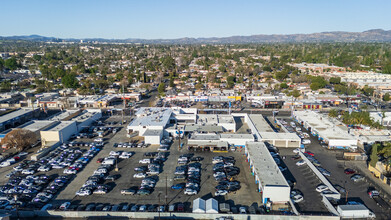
169, 19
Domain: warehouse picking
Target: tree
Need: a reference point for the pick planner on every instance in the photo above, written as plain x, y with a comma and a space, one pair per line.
315, 86
374, 157
19, 139
333, 113
230, 81
284, 86
386, 97
1, 64
161, 88
335, 80
11, 63
296, 93
70, 81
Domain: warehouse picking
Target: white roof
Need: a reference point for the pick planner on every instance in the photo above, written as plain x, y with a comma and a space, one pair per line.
260, 123
264, 165
237, 136
36, 125
152, 132
199, 206
151, 117
279, 136
60, 126
326, 127
212, 206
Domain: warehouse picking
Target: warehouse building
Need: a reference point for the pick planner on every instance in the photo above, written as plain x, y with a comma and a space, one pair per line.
226, 121
151, 121
329, 131
59, 132
16, 118
267, 134
271, 182
238, 140
33, 126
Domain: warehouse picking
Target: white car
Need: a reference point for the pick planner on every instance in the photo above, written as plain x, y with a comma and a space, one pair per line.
144, 161
298, 129
321, 188
300, 163
28, 171
242, 210
139, 175
190, 191
221, 192
114, 153
83, 193
306, 141
98, 139
297, 198
70, 171
44, 168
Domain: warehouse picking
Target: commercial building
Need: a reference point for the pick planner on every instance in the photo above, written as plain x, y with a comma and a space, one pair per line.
16, 118
59, 132
329, 131
238, 140
225, 121
266, 133
33, 126
151, 121
269, 178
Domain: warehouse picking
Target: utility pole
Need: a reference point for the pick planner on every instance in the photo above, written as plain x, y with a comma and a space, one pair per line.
123, 101
166, 191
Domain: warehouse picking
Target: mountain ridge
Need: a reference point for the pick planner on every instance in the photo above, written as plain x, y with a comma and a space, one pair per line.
373, 35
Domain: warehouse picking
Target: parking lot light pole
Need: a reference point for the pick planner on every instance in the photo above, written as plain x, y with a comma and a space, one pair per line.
116, 164
159, 204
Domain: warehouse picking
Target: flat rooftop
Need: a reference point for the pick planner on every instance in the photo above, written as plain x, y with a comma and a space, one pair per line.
226, 119
326, 127
203, 128
60, 126
205, 119
197, 136
62, 115
260, 123
264, 165
36, 125
84, 115
151, 117
237, 136
279, 136
152, 132
14, 114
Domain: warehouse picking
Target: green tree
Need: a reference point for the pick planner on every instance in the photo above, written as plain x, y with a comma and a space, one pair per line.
11, 63
374, 158
315, 86
230, 81
172, 85
335, 80
333, 113
386, 97
284, 86
296, 93
161, 88
1, 64
70, 81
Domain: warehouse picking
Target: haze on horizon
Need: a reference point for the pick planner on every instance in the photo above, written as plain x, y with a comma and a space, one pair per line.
121, 19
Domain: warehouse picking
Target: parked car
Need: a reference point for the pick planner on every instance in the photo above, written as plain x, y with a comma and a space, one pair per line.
300, 163
357, 178
349, 171
322, 188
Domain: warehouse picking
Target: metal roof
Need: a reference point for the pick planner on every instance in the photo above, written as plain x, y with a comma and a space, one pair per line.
264, 165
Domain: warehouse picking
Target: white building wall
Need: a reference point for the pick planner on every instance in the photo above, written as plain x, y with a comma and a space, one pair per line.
155, 140
237, 142
277, 194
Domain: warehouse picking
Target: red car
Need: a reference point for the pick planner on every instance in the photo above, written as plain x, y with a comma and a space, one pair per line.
309, 153
99, 160
349, 171
181, 207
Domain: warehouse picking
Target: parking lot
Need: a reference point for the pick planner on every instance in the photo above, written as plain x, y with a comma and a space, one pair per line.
306, 180
162, 193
